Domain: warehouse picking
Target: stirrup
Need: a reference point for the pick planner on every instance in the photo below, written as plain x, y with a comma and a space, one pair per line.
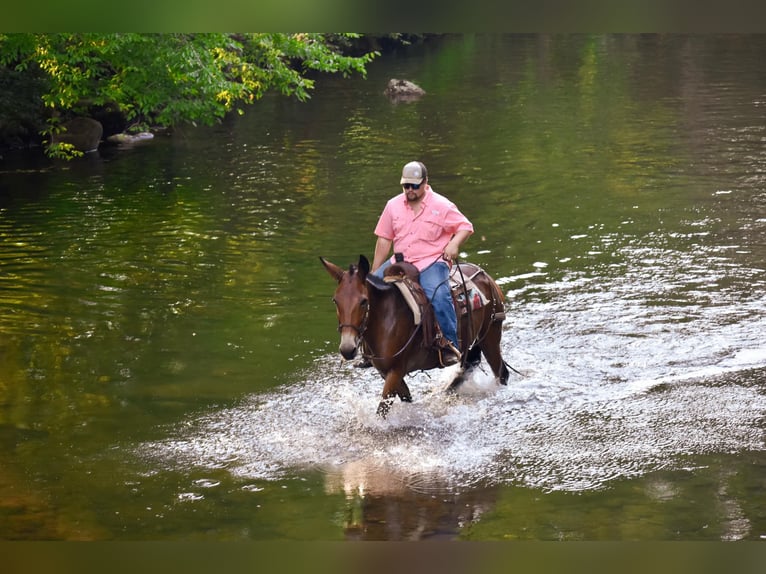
448, 354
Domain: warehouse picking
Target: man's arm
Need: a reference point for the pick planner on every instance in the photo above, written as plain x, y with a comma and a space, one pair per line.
382, 252
453, 247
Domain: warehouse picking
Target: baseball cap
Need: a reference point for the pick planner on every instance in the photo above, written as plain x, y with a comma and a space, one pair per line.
413, 172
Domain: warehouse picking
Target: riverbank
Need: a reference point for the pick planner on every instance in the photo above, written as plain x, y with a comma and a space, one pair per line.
24, 117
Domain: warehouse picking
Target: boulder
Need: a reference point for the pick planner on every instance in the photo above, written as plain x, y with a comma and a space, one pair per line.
83, 133
403, 90
128, 139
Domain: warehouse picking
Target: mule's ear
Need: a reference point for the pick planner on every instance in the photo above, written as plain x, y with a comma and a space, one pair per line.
364, 266
334, 271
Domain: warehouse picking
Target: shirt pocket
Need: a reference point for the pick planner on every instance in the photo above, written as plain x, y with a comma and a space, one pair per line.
433, 227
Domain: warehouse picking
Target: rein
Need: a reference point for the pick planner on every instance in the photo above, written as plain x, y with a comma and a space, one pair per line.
362, 328
469, 315
399, 352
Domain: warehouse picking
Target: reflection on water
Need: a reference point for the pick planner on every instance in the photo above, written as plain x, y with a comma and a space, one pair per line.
167, 339
548, 430
656, 358
624, 375
381, 505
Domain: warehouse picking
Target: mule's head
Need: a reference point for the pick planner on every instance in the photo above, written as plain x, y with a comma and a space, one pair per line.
351, 303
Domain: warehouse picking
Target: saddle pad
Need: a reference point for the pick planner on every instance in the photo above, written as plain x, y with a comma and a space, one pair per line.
476, 298
408, 297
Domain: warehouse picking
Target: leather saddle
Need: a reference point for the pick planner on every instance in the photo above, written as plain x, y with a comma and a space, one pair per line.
405, 277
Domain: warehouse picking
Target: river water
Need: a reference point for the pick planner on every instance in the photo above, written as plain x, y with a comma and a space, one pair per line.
168, 352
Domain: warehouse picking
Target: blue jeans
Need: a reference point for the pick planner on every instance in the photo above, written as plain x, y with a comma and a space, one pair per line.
435, 282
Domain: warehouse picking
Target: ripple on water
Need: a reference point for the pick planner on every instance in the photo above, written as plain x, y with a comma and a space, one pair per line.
440, 443
619, 379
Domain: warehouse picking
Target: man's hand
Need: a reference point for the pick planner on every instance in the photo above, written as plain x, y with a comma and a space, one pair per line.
451, 252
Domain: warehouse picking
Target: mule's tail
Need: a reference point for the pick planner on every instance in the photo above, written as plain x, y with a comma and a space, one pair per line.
504, 379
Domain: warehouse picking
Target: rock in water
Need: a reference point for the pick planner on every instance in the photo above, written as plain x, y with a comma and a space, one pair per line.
83, 133
403, 90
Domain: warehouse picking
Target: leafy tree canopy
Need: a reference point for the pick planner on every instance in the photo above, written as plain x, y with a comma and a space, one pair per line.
167, 79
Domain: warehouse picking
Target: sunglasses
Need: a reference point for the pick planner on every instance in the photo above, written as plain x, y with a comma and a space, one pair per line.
415, 186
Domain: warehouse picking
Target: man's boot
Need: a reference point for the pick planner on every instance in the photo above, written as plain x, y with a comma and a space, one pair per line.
448, 353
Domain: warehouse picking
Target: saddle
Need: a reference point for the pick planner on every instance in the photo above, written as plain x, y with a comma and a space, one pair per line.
406, 277
466, 296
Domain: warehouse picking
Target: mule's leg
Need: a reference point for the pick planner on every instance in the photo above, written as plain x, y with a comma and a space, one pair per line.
472, 357
490, 346
393, 387
396, 387
457, 381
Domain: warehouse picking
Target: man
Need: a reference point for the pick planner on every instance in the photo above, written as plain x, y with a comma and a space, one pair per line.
427, 229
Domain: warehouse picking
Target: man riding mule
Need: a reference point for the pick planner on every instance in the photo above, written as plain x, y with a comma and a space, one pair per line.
375, 313
401, 310
425, 229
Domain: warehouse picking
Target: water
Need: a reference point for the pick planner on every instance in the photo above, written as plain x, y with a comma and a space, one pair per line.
169, 365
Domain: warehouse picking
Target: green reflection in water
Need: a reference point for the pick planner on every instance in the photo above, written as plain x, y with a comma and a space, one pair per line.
144, 286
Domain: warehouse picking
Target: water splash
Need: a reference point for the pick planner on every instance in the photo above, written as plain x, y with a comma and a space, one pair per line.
621, 376
541, 432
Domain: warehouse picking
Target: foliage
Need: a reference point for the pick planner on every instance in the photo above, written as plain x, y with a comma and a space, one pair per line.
63, 150
167, 79
22, 114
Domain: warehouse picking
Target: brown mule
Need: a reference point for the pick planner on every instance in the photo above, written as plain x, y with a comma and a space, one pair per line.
372, 311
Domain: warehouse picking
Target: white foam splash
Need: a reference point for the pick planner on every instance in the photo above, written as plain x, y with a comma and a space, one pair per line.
621, 376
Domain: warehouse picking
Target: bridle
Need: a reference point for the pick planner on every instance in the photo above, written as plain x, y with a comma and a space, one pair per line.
361, 329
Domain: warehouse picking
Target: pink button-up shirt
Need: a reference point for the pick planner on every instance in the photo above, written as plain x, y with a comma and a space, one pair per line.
421, 237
